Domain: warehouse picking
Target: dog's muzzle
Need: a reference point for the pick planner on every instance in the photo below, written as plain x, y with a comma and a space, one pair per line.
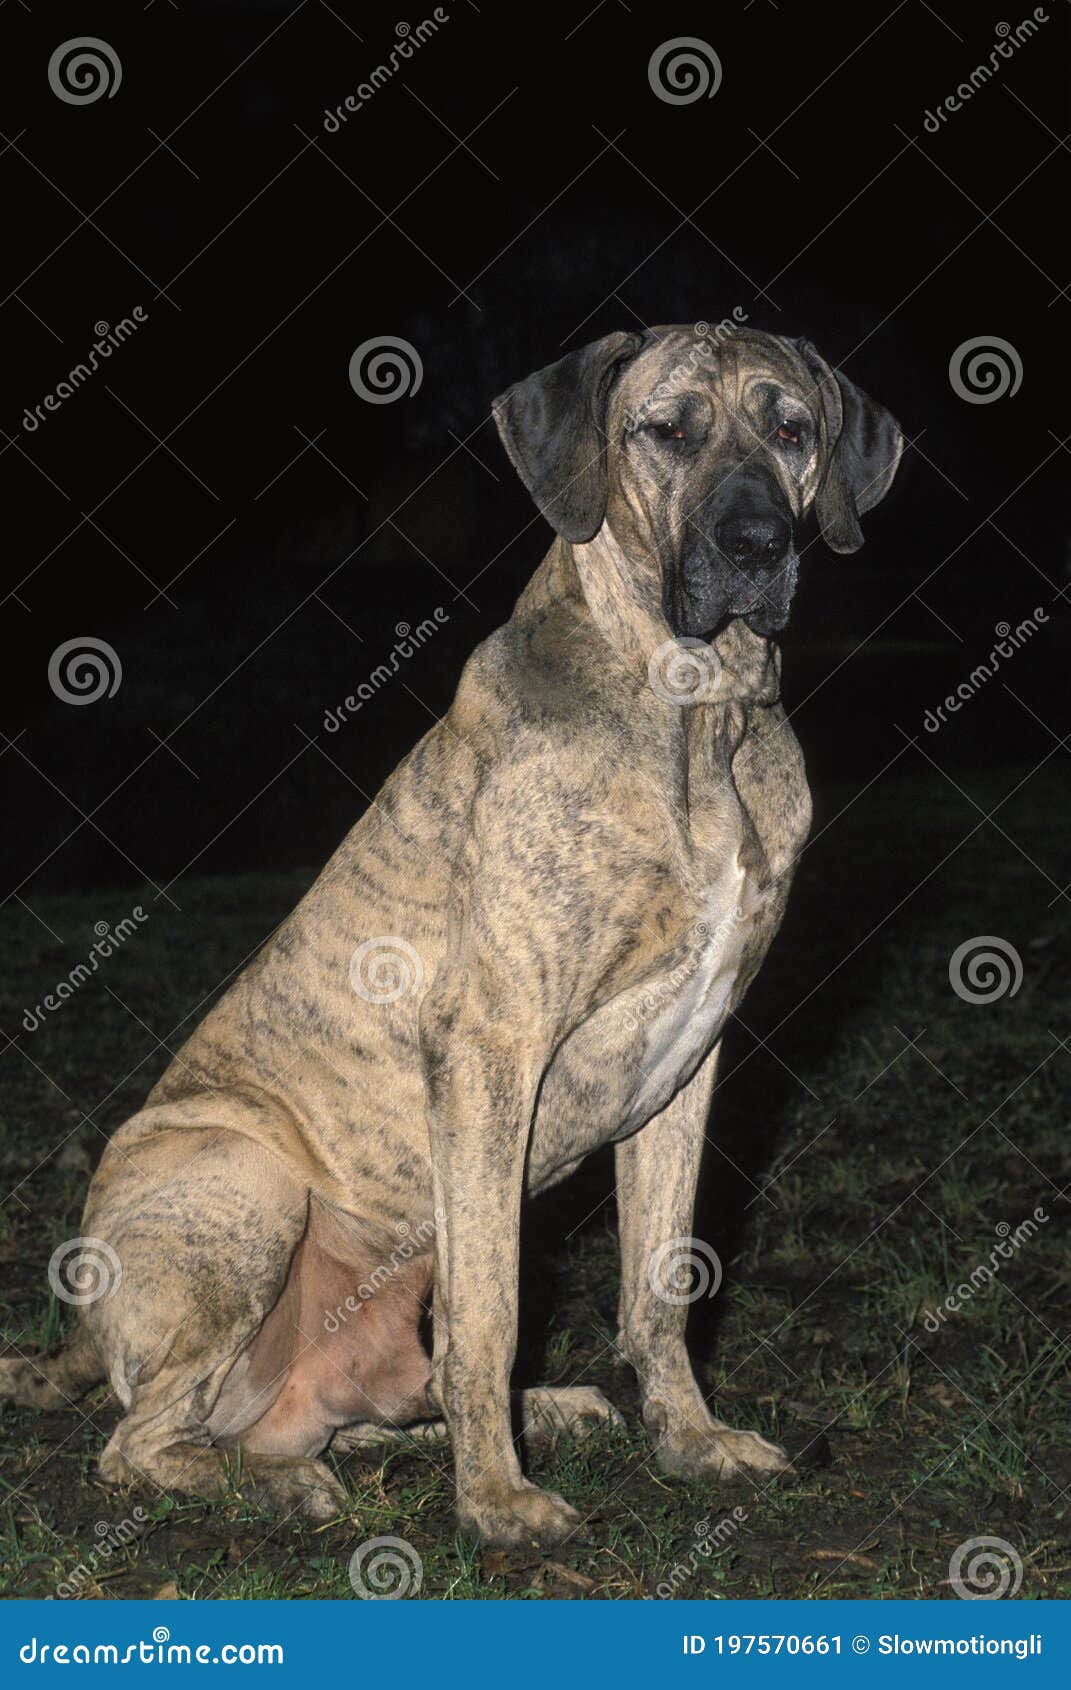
738, 559
756, 546
770, 598
753, 540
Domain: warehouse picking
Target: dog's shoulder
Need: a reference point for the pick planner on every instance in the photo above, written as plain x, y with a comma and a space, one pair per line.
532, 686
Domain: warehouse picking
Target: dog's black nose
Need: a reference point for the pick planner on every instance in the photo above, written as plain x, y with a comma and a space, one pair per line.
752, 540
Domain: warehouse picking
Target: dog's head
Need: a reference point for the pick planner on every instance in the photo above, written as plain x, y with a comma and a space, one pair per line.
706, 454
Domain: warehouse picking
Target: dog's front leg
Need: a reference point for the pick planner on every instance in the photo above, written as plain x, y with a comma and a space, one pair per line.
482, 1095
657, 1170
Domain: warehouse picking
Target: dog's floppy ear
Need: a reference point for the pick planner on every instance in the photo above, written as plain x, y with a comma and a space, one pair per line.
864, 446
553, 427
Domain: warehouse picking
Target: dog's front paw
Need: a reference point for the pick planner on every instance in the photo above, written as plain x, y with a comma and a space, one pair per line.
720, 1454
508, 1518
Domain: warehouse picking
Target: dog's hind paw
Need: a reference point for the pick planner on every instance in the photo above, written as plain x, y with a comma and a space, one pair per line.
720, 1454
549, 1412
286, 1484
518, 1518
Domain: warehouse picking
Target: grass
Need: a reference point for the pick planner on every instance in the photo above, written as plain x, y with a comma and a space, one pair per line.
862, 1162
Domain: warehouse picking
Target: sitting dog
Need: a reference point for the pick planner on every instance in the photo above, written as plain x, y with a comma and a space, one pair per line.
526, 948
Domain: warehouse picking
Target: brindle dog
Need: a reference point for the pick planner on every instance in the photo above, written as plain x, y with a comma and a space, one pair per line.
526, 948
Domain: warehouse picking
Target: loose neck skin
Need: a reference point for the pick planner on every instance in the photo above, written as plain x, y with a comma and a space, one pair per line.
625, 601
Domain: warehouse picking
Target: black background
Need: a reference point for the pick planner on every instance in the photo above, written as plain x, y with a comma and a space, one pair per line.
515, 190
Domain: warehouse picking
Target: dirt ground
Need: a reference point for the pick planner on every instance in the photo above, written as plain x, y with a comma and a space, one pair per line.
876, 1137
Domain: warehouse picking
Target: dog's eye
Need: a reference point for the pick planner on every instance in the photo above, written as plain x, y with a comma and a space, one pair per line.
668, 431
789, 433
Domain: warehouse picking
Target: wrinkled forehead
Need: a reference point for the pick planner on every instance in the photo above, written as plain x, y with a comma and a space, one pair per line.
680, 359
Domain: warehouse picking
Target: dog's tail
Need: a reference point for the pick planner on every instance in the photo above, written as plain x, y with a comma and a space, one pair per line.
52, 1381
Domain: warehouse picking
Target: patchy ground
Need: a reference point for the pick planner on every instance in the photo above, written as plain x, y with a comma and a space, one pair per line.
871, 1156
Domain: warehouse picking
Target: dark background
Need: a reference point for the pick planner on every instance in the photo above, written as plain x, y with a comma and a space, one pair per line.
221, 507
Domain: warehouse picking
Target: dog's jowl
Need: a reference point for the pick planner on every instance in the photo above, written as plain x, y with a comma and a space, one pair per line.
527, 948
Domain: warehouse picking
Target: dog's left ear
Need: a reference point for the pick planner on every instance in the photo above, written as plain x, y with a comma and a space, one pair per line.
553, 426
865, 446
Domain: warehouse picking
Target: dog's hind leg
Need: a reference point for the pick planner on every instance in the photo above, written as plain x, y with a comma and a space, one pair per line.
204, 1225
56, 1381
367, 1435
546, 1412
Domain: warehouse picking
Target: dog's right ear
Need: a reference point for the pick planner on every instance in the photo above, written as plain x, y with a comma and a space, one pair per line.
865, 445
553, 426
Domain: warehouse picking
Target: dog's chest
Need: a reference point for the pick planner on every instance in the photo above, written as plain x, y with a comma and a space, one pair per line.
678, 1015
630, 1057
